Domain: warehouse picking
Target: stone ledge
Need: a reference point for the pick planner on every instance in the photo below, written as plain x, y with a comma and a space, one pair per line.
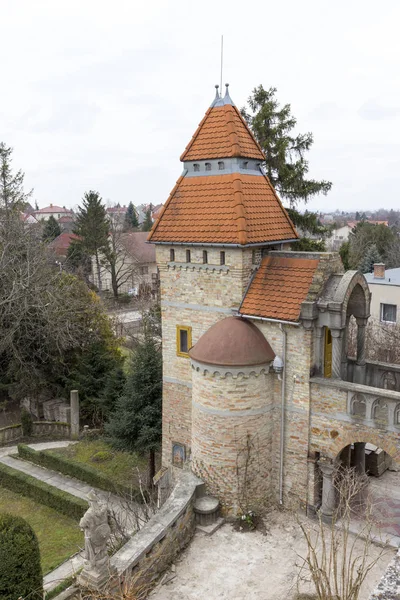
389, 586
355, 387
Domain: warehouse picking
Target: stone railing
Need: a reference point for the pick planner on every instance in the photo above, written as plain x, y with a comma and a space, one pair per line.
148, 553
377, 374
10, 433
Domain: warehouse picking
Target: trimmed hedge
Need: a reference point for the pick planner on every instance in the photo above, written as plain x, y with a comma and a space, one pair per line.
24, 484
20, 570
75, 469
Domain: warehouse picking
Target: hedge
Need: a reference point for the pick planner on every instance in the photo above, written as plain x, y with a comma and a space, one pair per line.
75, 469
26, 485
20, 570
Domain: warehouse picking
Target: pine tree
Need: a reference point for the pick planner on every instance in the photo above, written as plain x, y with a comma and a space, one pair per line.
371, 256
12, 195
285, 164
51, 230
147, 223
136, 423
131, 218
92, 227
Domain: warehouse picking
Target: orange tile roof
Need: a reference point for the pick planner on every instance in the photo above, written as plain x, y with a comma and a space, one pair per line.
223, 209
279, 287
222, 134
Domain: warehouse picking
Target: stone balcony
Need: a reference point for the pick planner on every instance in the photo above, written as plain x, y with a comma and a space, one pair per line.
377, 374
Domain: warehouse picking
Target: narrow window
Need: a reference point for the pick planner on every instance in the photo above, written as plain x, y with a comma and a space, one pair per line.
222, 257
172, 255
221, 165
388, 313
196, 167
205, 257
183, 340
208, 166
144, 270
188, 259
245, 164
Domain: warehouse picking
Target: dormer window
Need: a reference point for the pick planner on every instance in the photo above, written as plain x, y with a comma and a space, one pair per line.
221, 165
196, 167
245, 164
208, 166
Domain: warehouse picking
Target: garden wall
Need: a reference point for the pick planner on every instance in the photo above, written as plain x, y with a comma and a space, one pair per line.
40, 428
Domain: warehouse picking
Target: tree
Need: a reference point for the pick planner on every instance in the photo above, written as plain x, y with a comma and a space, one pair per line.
131, 218
313, 233
285, 164
136, 422
385, 239
78, 261
116, 258
51, 230
147, 223
92, 227
344, 255
12, 195
371, 256
20, 568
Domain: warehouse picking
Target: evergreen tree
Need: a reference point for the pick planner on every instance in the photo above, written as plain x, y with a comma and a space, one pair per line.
136, 422
20, 568
357, 216
51, 230
285, 164
78, 260
131, 218
344, 255
147, 223
371, 256
92, 227
385, 239
12, 195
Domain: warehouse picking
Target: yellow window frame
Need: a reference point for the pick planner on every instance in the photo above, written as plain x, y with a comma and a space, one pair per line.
180, 328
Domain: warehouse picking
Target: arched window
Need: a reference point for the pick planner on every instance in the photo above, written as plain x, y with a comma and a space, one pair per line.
222, 257
221, 165
208, 166
380, 411
188, 258
172, 255
205, 257
358, 406
389, 381
397, 415
196, 167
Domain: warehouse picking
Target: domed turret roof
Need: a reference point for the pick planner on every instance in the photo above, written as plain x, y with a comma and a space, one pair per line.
233, 342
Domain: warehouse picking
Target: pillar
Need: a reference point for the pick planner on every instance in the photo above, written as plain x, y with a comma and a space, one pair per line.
344, 350
336, 353
359, 457
345, 457
74, 414
328, 490
360, 368
319, 351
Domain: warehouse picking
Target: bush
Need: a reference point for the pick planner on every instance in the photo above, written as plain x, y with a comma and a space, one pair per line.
102, 456
24, 484
72, 468
20, 570
27, 423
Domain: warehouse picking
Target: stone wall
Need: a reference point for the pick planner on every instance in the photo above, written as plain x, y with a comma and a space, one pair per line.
10, 433
40, 428
150, 551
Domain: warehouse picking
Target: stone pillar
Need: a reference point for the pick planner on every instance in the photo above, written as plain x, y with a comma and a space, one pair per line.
328, 490
319, 352
345, 457
359, 457
74, 414
344, 350
360, 369
336, 353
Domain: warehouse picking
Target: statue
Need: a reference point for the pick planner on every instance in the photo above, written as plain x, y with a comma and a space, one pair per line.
97, 530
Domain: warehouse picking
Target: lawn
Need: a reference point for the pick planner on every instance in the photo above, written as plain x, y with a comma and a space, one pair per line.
119, 467
59, 536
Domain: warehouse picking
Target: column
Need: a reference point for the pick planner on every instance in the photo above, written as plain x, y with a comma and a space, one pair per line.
328, 490
360, 363
336, 353
345, 457
74, 414
344, 350
359, 457
319, 350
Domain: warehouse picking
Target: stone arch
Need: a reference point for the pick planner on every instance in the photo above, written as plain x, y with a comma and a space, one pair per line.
380, 410
358, 406
387, 444
354, 296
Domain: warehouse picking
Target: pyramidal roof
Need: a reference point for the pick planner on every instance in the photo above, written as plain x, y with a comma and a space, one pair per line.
229, 202
222, 133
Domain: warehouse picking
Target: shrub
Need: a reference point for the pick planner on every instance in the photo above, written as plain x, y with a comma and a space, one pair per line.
24, 484
75, 469
20, 570
27, 423
102, 456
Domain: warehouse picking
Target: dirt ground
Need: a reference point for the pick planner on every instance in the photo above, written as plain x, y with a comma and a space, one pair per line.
252, 566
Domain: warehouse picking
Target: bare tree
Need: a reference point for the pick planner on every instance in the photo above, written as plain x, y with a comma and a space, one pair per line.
116, 258
337, 560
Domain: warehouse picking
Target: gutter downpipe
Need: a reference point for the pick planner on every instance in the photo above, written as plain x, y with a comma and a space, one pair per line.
283, 378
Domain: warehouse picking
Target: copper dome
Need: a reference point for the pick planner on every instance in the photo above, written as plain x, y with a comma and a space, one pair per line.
233, 342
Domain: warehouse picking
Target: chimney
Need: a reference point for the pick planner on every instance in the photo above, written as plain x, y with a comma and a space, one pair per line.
379, 271
51, 206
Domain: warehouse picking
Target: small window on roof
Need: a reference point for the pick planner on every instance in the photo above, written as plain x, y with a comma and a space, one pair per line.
172, 255
221, 165
188, 257
222, 257
245, 164
208, 166
196, 167
205, 257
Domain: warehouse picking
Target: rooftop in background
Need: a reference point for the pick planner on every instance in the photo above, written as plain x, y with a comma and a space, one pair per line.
122, 210
392, 277
136, 246
53, 209
61, 243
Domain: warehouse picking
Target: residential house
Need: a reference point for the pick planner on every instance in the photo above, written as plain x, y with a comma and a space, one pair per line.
44, 214
384, 285
59, 246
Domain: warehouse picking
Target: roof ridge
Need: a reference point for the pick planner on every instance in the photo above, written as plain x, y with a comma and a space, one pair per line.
296, 235
249, 130
239, 209
230, 125
194, 136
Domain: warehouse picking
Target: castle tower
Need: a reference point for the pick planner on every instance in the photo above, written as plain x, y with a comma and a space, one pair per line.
219, 218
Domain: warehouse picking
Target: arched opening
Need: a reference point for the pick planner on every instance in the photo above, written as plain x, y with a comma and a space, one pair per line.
327, 352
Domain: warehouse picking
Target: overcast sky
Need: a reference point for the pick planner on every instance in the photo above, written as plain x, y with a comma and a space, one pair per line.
106, 95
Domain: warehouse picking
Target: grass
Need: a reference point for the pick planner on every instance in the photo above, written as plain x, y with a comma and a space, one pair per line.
59, 536
118, 467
